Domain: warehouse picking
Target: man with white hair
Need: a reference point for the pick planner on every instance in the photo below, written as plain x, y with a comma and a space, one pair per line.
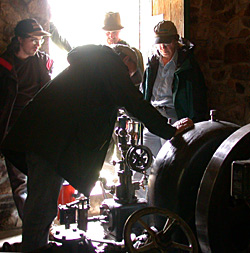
173, 82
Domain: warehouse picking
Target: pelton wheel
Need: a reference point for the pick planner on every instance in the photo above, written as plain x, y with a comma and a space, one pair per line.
222, 222
153, 239
139, 158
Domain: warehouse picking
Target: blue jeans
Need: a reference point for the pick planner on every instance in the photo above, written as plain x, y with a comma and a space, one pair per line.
40, 208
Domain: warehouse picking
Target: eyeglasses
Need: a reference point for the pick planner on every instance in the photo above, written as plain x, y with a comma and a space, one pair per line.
36, 41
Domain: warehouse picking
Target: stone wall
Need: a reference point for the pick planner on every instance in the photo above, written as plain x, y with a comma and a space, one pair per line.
221, 33
12, 11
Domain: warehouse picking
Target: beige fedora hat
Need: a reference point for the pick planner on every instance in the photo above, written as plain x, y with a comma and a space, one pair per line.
112, 22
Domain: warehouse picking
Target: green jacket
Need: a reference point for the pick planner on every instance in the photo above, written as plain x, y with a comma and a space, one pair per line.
189, 90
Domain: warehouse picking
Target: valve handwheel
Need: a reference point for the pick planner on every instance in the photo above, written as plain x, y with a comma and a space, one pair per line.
158, 240
139, 158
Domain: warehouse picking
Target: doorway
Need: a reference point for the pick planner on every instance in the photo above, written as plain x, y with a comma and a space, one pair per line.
81, 22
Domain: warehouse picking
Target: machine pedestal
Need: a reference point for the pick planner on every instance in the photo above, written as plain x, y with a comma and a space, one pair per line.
117, 215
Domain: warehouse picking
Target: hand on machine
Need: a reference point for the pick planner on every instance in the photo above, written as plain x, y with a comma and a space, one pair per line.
120, 216
182, 125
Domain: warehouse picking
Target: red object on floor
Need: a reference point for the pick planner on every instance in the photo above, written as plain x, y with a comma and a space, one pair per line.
66, 195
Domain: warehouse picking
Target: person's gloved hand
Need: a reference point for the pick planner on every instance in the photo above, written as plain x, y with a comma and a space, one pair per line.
183, 124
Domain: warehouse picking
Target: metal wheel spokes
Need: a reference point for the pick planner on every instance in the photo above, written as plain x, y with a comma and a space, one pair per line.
158, 241
139, 158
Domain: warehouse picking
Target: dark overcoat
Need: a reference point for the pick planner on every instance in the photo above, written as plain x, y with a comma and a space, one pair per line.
71, 120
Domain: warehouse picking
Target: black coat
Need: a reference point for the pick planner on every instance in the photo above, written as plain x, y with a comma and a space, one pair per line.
40, 66
71, 120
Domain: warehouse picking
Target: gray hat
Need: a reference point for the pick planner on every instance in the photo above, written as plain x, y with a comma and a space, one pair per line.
165, 32
30, 27
126, 50
112, 21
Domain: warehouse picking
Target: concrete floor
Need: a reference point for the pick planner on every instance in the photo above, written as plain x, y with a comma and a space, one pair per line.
95, 232
10, 236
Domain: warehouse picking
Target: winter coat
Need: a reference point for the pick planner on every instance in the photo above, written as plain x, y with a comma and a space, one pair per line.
189, 90
71, 120
9, 83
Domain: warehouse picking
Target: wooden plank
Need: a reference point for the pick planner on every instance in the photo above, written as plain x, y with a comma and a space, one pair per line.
172, 10
177, 15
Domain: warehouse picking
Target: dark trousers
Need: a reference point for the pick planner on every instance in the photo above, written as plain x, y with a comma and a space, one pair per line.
40, 208
18, 182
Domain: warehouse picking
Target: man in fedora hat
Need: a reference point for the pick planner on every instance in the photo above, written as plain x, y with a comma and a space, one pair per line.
65, 131
24, 70
112, 27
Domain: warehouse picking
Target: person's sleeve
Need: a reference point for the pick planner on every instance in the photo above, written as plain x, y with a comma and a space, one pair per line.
126, 95
46, 67
138, 76
58, 39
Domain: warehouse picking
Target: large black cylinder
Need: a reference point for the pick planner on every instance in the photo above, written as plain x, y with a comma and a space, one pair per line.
179, 167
